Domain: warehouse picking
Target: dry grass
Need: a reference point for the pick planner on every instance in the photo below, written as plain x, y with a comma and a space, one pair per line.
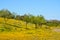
23, 34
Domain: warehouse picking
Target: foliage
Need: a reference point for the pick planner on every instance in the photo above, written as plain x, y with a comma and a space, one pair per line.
38, 20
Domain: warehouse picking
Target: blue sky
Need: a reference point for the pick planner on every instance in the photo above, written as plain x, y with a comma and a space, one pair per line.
50, 9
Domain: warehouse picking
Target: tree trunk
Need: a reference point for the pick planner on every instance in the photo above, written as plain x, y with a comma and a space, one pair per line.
36, 26
40, 25
26, 25
4, 22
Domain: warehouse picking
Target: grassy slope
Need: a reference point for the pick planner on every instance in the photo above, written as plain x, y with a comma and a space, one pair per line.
20, 33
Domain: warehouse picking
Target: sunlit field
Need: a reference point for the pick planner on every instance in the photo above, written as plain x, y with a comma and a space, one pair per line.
29, 19
17, 31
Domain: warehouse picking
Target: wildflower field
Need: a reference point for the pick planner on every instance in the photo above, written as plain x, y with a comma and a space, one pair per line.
17, 31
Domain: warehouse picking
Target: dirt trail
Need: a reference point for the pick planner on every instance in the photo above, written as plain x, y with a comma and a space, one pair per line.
56, 29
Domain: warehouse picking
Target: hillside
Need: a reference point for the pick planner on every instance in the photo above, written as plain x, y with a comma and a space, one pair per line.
14, 24
27, 27
15, 30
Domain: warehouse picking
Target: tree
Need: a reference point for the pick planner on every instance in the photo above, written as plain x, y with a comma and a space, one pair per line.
53, 23
26, 19
41, 20
34, 19
18, 17
5, 14
37, 20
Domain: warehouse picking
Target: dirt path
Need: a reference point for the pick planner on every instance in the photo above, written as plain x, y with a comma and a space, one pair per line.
56, 29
